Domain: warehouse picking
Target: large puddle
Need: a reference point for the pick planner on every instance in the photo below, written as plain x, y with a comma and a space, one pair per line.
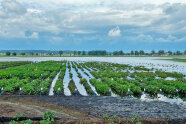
160, 97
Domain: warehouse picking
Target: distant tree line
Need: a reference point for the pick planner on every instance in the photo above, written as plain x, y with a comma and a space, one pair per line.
106, 53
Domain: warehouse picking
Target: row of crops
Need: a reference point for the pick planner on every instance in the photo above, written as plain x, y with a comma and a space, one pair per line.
95, 77
33, 78
4, 65
127, 80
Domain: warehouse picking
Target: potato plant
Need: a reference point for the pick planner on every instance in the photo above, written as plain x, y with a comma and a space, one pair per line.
101, 88
84, 82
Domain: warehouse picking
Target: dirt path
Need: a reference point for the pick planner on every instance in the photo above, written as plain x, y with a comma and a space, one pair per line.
10, 106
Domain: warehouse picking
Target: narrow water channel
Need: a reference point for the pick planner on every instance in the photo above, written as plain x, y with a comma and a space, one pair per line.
87, 78
66, 82
51, 92
76, 79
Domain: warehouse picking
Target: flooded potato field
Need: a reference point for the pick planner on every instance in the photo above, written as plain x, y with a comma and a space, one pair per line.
144, 81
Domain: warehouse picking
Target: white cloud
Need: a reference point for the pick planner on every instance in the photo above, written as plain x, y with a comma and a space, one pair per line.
115, 32
34, 35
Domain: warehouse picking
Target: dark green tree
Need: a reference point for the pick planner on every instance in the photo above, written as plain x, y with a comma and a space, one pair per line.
8, 53
121, 52
169, 52
75, 52
141, 52
153, 52
185, 52
22, 54
178, 53
132, 52
79, 52
83, 53
60, 52
136, 52
115, 53
161, 52
32, 54
14, 53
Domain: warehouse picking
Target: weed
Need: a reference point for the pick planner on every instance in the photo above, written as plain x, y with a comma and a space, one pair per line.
49, 116
18, 116
106, 116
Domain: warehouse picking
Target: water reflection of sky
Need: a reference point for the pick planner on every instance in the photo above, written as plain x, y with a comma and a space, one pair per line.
145, 61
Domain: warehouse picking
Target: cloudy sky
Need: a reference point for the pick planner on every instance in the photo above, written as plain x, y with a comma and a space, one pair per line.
93, 24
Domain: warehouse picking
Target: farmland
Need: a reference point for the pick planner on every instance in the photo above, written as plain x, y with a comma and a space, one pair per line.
82, 86
90, 78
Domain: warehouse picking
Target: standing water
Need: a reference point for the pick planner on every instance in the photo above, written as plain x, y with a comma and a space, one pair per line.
51, 92
79, 86
87, 78
66, 82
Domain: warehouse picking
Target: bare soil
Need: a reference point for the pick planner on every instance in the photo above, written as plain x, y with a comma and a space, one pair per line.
88, 110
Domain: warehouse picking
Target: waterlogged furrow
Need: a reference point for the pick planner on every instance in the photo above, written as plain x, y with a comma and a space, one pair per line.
66, 82
87, 78
80, 87
86, 71
51, 92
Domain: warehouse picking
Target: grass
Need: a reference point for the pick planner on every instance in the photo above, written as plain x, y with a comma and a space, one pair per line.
176, 59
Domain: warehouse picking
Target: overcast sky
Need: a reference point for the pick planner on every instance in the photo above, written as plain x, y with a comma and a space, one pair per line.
93, 24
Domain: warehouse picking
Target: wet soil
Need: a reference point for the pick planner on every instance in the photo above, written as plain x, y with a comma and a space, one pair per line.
98, 106
92, 109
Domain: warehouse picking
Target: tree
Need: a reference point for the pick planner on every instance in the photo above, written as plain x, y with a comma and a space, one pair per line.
132, 52
169, 52
97, 52
141, 52
161, 52
32, 54
120, 52
178, 53
60, 52
153, 52
8, 53
79, 52
115, 53
84, 53
22, 54
37, 54
75, 52
14, 53
136, 52
185, 52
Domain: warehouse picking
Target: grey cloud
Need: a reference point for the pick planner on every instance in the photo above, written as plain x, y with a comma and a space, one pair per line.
12, 6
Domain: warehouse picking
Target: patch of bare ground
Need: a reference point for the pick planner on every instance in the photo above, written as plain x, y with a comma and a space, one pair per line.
82, 110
